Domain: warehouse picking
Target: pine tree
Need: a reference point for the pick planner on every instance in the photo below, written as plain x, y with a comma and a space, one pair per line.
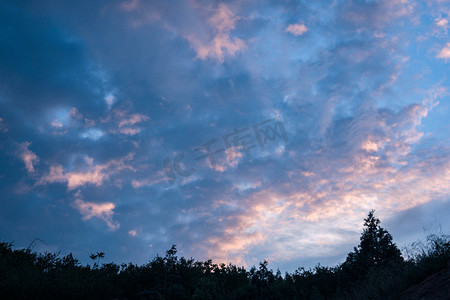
375, 248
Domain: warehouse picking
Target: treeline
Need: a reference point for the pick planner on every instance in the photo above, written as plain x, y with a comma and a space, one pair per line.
375, 269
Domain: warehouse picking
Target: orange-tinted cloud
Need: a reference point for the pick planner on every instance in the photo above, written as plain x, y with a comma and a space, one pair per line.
316, 210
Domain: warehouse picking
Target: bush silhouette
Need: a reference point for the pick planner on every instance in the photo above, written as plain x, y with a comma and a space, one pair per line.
374, 270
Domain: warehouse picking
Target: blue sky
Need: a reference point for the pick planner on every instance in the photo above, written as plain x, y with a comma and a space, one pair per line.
237, 130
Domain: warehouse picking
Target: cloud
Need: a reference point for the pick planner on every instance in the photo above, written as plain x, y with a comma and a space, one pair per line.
28, 157
126, 122
94, 174
56, 123
222, 44
153, 178
103, 211
132, 233
442, 22
130, 131
110, 99
445, 52
75, 113
314, 211
296, 29
133, 119
92, 134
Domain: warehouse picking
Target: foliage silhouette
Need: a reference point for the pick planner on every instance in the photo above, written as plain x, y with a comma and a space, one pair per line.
374, 270
376, 249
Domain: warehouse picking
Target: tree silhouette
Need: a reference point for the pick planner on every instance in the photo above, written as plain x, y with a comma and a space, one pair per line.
374, 270
375, 248
97, 257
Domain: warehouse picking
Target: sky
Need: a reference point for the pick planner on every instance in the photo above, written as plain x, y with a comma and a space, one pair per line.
240, 131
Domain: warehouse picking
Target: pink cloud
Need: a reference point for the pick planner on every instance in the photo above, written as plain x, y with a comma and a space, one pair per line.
130, 131
209, 37
133, 119
28, 157
445, 52
56, 123
296, 29
222, 44
154, 177
126, 122
94, 174
442, 22
56, 174
103, 211
75, 113
299, 219
321, 207
140, 183
223, 20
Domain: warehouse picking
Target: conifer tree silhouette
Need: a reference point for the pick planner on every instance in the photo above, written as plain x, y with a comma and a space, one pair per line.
375, 248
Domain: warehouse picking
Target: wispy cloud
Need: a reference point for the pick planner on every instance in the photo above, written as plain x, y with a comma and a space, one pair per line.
28, 157
103, 211
222, 43
92, 174
133, 119
296, 29
445, 52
